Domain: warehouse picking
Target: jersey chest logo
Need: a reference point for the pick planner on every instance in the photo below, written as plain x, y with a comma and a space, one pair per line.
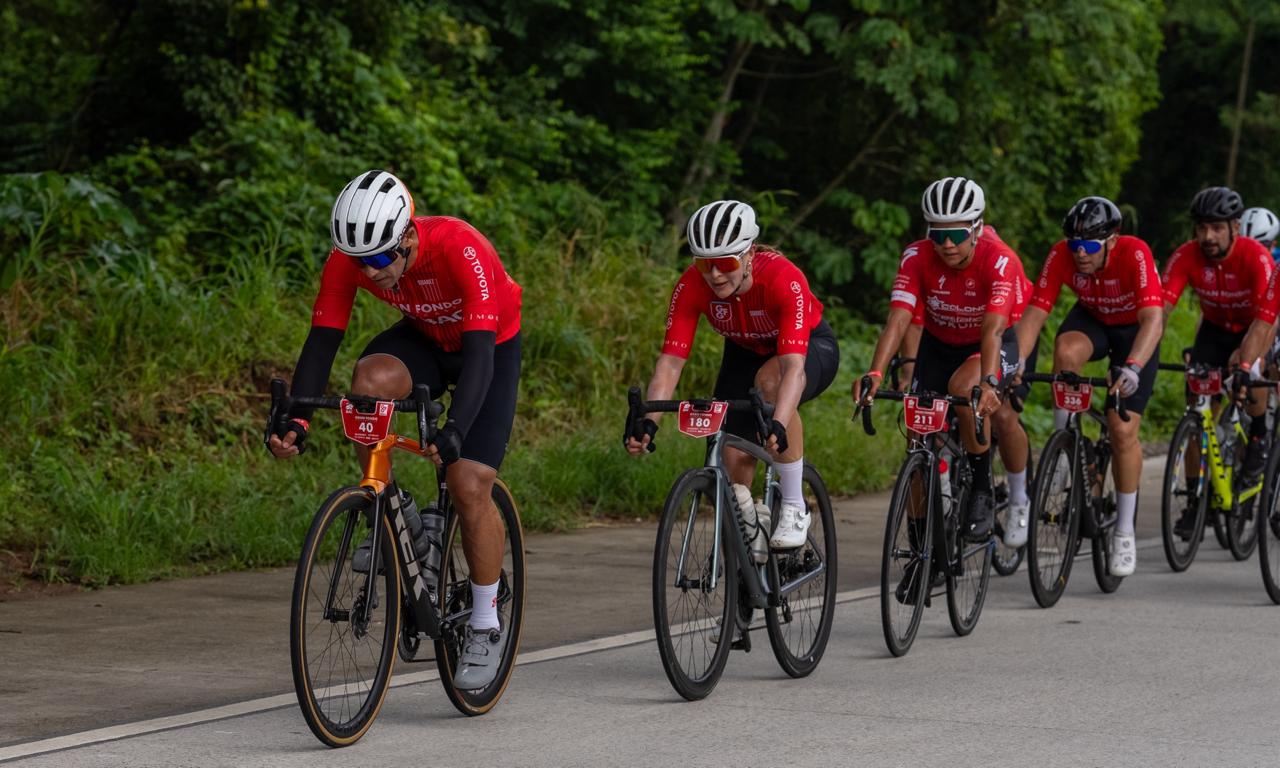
721, 310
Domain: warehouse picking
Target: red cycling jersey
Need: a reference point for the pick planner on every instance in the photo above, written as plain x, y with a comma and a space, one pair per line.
1112, 295
456, 284
774, 317
1230, 289
954, 301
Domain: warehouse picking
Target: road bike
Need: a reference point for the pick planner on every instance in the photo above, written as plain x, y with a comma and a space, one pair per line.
706, 584
923, 532
1073, 495
350, 620
1217, 491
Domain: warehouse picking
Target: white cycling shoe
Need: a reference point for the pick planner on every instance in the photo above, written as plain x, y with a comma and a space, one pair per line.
1015, 524
1124, 554
793, 524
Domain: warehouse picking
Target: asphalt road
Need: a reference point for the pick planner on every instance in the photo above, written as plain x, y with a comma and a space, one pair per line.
1173, 669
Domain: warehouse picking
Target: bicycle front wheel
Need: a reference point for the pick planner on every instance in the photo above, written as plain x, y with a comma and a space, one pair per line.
344, 621
800, 625
1184, 499
455, 605
1268, 526
695, 585
1242, 529
1054, 528
904, 567
968, 570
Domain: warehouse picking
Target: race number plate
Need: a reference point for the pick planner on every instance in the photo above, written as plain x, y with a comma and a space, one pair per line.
367, 428
925, 420
702, 419
1072, 399
1209, 383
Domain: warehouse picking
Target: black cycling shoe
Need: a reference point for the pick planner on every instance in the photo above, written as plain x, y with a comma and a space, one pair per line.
909, 581
1255, 459
980, 517
1186, 524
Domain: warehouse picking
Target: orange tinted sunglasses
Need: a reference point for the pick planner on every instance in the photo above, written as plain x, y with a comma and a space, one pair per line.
724, 264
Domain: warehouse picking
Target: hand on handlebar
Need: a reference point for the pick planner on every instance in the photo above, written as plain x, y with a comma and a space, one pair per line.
292, 443
1126, 380
644, 444
988, 402
863, 398
447, 447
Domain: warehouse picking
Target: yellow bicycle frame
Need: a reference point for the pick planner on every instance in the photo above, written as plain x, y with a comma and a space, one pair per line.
1220, 474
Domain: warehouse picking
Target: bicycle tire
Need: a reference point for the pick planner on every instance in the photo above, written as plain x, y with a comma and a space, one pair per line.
689, 514
1268, 526
800, 625
1177, 552
1100, 545
339, 693
1054, 528
900, 621
1242, 529
968, 571
455, 604
1005, 560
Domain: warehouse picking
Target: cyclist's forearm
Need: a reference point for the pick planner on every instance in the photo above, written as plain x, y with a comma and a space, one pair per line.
1150, 329
474, 378
666, 375
790, 389
1255, 342
1028, 329
895, 328
992, 331
311, 374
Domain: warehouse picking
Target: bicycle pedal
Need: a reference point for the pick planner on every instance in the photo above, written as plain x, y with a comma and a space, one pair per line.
743, 643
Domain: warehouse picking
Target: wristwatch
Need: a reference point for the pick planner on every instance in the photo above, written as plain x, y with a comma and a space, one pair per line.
991, 379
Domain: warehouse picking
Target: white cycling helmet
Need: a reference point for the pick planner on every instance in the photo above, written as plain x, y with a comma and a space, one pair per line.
954, 198
371, 214
1260, 224
722, 228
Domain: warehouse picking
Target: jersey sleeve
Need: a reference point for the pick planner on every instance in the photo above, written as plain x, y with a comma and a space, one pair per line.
790, 295
1148, 291
1174, 279
1003, 276
475, 270
1264, 278
1269, 309
907, 285
1051, 278
682, 317
338, 282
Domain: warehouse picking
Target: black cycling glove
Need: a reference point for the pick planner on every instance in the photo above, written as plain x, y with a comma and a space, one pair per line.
448, 442
777, 430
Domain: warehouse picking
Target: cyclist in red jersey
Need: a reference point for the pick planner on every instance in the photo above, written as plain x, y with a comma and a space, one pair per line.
461, 327
972, 288
1118, 314
1230, 274
775, 341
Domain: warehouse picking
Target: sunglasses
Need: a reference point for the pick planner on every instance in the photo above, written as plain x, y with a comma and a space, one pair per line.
956, 236
384, 259
723, 264
1090, 247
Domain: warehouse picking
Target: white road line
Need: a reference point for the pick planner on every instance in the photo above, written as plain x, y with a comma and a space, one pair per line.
253, 706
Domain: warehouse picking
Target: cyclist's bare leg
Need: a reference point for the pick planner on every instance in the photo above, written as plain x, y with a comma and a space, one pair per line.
1014, 446
471, 486
961, 384
741, 466
1126, 464
382, 376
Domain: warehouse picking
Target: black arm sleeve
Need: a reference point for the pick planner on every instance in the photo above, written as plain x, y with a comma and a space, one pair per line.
314, 364
473, 379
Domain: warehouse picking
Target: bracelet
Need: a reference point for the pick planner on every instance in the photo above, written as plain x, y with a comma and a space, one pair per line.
305, 424
876, 374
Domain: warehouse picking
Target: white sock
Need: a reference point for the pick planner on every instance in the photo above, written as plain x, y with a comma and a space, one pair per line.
789, 479
484, 606
1017, 486
1060, 418
1126, 506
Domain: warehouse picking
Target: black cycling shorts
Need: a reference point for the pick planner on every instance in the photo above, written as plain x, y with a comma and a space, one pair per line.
1214, 344
486, 441
937, 361
1115, 341
739, 366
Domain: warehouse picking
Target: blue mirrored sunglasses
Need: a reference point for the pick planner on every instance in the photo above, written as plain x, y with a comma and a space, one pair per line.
1090, 247
384, 259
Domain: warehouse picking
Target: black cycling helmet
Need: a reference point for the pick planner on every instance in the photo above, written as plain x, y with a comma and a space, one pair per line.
1216, 204
1092, 218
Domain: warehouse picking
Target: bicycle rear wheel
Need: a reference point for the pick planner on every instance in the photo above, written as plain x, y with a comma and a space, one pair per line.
1268, 527
695, 585
455, 605
968, 570
343, 623
800, 625
1005, 560
1054, 528
904, 568
1100, 549
1179, 492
